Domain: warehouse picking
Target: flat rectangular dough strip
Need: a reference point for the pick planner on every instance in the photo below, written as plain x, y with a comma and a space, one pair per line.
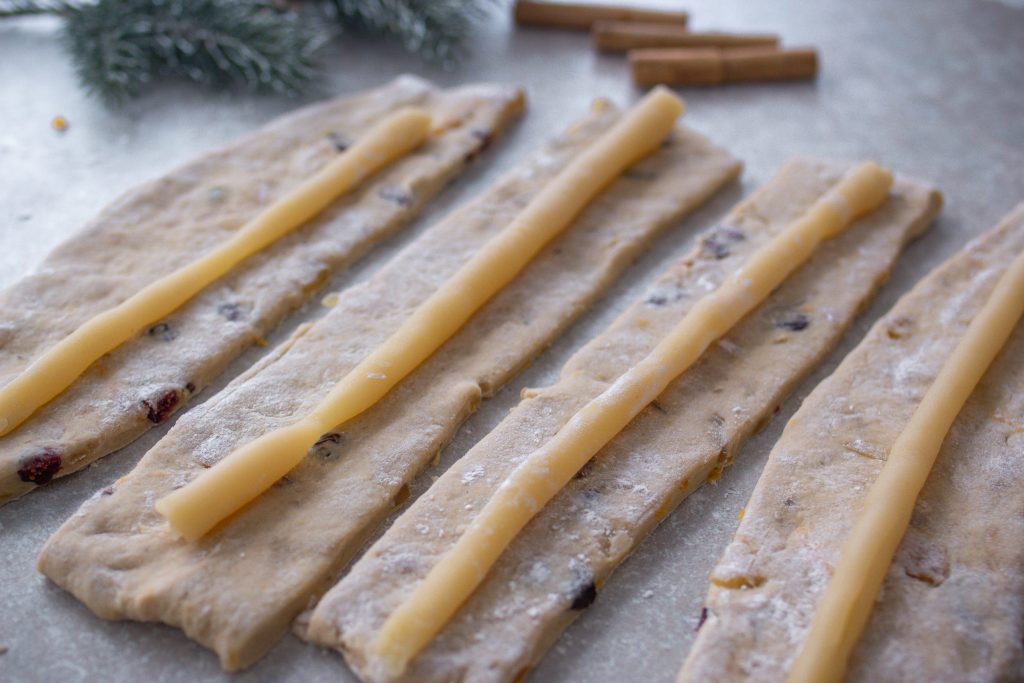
166, 223
952, 605
237, 591
567, 552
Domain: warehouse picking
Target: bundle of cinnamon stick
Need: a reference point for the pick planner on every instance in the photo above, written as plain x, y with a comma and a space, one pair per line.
662, 49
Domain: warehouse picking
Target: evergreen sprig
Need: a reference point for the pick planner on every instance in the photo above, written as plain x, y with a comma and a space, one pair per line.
434, 29
119, 46
17, 8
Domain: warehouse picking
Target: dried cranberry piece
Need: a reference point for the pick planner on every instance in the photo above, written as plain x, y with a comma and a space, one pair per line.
323, 447
583, 596
396, 195
585, 471
900, 327
233, 311
163, 331
795, 322
718, 243
158, 411
39, 468
339, 142
703, 618
485, 137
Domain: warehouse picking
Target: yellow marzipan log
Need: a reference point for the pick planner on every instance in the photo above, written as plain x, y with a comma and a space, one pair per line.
58, 368
545, 471
249, 471
867, 553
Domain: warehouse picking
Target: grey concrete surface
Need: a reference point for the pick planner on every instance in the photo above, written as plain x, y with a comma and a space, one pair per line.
934, 88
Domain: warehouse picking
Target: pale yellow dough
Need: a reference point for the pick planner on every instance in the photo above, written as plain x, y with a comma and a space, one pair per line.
250, 470
58, 368
866, 555
538, 478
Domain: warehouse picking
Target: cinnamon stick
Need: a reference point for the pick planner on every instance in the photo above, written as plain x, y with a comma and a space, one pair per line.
583, 16
712, 66
620, 36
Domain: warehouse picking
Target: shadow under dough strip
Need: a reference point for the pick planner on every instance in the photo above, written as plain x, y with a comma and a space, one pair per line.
555, 567
119, 557
538, 478
250, 470
952, 598
167, 223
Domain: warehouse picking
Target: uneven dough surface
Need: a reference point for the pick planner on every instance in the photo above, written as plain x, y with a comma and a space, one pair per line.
557, 564
952, 605
162, 225
238, 589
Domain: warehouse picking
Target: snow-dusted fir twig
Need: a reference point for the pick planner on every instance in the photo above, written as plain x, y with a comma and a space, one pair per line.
119, 46
434, 29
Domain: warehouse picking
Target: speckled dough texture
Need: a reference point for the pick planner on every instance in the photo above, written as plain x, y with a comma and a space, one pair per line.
952, 605
558, 563
237, 590
164, 224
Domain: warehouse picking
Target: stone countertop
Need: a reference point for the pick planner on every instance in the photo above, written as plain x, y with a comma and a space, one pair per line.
933, 88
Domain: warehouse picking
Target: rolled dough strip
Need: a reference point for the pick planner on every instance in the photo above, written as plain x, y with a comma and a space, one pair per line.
546, 471
556, 564
119, 557
952, 604
167, 223
867, 553
247, 472
59, 366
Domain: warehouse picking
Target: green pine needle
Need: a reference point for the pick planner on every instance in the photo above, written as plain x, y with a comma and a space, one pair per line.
434, 29
121, 45
18, 8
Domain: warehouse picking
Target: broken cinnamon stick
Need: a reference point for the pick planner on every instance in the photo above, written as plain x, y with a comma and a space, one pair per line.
620, 36
712, 66
583, 16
